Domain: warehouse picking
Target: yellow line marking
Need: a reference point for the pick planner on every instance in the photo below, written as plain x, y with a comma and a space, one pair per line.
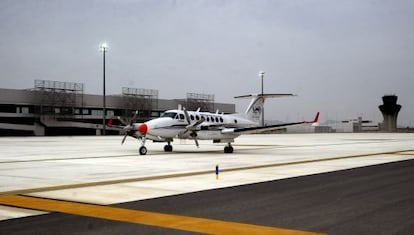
186, 223
159, 177
405, 153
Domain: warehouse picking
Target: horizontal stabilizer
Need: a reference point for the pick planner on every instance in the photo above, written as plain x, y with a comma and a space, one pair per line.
263, 95
255, 109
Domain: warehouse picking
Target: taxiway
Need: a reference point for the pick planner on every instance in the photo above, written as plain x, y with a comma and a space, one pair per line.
99, 171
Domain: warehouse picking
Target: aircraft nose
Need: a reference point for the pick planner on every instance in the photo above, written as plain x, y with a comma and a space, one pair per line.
142, 129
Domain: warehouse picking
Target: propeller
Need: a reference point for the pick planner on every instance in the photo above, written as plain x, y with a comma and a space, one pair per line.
121, 120
192, 127
123, 139
129, 129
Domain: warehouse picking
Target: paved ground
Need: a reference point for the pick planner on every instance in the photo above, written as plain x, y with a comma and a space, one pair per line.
369, 200
97, 170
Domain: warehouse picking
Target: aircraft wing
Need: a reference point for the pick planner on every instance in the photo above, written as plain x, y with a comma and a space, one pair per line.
259, 129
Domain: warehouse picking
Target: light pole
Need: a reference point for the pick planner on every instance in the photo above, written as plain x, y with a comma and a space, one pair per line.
104, 49
261, 74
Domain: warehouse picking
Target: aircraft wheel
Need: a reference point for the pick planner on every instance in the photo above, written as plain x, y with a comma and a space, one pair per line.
142, 150
228, 149
168, 148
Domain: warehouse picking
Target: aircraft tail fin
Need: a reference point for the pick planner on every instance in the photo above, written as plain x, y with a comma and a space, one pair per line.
315, 121
254, 111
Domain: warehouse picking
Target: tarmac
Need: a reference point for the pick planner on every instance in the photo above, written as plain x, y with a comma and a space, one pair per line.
292, 184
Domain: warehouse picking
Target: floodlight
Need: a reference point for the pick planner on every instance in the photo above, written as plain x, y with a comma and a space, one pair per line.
104, 46
261, 73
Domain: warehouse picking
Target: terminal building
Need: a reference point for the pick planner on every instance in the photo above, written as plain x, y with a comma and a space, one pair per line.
62, 108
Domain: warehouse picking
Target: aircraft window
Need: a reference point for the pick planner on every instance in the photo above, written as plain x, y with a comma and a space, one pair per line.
235, 121
212, 119
192, 117
208, 118
221, 119
197, 117
169, 114
217, 119
181, 116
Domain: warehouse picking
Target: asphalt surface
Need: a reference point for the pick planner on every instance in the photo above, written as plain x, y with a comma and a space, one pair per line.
369, 200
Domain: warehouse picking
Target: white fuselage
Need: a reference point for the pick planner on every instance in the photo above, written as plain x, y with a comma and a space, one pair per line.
172, 124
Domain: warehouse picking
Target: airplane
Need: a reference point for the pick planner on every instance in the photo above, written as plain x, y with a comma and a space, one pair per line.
196, 125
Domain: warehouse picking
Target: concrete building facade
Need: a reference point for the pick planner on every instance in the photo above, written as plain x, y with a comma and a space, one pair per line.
55, 110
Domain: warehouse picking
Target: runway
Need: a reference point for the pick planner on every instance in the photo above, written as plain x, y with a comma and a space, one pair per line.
98, 171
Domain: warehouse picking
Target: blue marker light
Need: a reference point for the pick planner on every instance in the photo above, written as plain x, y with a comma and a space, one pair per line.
217, 172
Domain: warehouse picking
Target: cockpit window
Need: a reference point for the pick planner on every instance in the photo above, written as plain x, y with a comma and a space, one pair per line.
169, 114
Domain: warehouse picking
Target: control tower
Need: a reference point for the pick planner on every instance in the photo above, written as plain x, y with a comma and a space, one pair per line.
389, 110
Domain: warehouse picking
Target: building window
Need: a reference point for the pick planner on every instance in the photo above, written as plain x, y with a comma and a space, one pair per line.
66, 110
25, 110
22, 110
96, 112
85, 111
110, 113
155, 114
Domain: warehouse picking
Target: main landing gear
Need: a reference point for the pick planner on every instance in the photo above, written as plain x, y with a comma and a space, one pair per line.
168, 147
228, 148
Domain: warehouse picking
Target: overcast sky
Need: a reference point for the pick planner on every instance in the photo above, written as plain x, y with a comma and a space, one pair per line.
340, 57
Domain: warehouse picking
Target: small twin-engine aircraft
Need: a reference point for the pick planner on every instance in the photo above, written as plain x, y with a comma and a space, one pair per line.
196, 125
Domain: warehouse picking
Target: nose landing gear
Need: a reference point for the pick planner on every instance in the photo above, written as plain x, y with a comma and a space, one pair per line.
143, 150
